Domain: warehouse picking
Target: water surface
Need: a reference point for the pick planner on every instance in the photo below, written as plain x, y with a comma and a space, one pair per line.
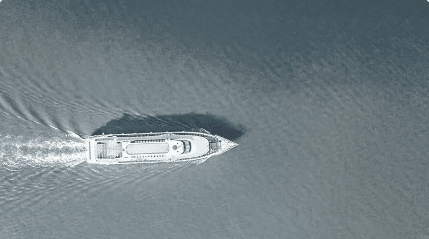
333, 95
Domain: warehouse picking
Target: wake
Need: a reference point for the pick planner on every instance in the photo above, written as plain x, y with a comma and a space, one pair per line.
18, 151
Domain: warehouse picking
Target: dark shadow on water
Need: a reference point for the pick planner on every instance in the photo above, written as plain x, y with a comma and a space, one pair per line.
161, 123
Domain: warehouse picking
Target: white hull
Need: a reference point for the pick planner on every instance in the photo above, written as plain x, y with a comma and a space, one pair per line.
155, 147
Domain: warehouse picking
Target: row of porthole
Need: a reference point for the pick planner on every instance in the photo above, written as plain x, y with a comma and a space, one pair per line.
143, 141
148, 156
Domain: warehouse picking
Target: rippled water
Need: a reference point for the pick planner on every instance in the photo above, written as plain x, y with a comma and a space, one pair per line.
333, 97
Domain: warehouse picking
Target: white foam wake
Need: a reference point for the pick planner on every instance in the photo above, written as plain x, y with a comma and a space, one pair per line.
18, 151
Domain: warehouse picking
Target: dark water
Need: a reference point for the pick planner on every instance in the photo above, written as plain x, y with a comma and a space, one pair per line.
333, 94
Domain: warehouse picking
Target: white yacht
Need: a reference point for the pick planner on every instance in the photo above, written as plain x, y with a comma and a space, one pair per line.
155, 147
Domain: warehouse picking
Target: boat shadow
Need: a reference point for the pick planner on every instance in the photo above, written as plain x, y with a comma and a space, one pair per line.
179, 122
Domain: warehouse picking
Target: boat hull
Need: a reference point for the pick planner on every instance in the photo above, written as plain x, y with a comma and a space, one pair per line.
155, 147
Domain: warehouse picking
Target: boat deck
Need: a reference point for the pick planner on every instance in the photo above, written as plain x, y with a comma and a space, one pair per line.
155, 147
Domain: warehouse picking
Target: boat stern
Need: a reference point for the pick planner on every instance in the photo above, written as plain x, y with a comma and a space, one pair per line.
90, 145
